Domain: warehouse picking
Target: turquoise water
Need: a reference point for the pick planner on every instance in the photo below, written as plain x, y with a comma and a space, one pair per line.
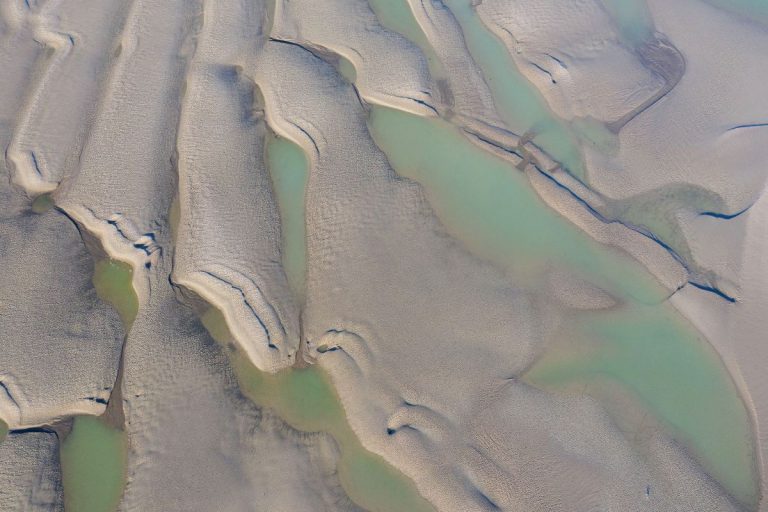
289, 170
661, 361
487, 203
396, 15
643, 346
517, 100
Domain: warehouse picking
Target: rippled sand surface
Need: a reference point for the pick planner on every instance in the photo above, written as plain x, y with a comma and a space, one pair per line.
383, 255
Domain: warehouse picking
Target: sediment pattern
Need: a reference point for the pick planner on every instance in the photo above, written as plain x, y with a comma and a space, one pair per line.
385, 255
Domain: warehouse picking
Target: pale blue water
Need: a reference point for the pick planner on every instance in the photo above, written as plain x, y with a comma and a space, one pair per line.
517, 100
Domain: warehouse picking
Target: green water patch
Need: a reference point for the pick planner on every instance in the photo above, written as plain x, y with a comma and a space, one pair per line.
306, 400
487, 203
93, 460
3, 430
518, 101
94, 453
633, 19
644, 346
42, 203
113, 281
347, 69
289, 169
660, 361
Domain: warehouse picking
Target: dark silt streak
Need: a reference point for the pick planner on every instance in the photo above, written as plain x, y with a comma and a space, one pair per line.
726, 216
747, 126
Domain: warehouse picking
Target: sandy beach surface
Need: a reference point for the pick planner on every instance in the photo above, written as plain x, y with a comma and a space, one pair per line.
383, 255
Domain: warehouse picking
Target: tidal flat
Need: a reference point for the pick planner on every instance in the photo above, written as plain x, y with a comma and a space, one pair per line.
306, 400
383, 255
644, 345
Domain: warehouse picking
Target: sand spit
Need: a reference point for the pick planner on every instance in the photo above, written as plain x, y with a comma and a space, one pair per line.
227, 248
457, 79
562, 58
351, 30
615, 170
